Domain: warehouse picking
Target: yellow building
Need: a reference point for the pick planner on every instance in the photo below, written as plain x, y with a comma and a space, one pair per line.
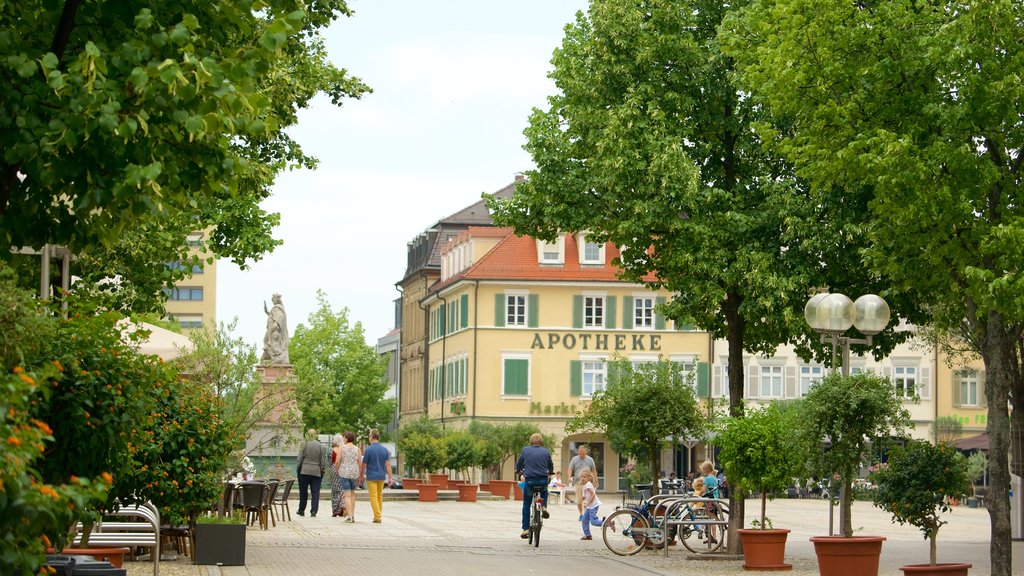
520, 330
193, 300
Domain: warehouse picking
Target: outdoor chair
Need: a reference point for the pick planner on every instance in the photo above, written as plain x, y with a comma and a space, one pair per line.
252, 499
281, 499
268, 500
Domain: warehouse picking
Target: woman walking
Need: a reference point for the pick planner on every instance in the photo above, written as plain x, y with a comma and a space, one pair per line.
337, 504
349, 457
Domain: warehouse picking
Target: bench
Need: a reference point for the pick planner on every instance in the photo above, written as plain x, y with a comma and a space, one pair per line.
145, 534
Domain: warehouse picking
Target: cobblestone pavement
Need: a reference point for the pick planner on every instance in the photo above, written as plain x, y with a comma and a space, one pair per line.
481, 538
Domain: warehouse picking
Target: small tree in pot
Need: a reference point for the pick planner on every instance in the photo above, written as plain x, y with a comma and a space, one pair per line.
915, 487
758, 453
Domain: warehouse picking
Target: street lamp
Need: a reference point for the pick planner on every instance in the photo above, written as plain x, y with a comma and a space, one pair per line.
831, 315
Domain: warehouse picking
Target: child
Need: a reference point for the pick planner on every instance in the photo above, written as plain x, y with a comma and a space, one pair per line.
590, 505
558, 487
710, 491
698, 492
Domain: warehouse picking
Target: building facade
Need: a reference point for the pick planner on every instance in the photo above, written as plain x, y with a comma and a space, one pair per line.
192, 303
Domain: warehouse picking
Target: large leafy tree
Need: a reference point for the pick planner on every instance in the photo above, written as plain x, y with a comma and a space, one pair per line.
341, 382
650, 144
156, 118
920, 104
641, 410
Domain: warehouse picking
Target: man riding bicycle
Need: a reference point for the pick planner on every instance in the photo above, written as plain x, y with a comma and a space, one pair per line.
535, 466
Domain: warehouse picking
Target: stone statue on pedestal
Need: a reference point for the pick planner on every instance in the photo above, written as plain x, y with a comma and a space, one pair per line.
275, 343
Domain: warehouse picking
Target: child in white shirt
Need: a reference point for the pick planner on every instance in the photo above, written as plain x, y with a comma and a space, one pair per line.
590, 505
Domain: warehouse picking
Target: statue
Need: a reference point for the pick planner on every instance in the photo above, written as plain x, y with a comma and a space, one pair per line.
275, 343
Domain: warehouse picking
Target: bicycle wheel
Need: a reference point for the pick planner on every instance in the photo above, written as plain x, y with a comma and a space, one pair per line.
536, 521
625, 532
703, 538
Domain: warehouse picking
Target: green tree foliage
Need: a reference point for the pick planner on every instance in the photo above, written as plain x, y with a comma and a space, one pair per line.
947, 429
341, 382
226, 365
461, 449
423, 453
642, 409
150, 120
917, 103
34, 512
916, 484
758, 452
848, 412
976, 465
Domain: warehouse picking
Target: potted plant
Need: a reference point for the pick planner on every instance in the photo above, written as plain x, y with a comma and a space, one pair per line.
424, 453
411, 446
462, 454
916, 486
845, 412
757, 454
220, 540
976, 465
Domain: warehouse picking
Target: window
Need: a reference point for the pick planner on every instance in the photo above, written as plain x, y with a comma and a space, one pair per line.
187, 321
771, 381
967, 381
593, 311
643, 313
551, 252
515, 310
590, 252
194, 240
905, 380
184, 293
725, 379
516, 375
809, 376
594, 373
196, 268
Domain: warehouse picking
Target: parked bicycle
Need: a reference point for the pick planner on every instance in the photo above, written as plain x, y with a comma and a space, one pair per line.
655, 521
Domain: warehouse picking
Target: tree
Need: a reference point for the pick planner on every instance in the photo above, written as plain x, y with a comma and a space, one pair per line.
917, 103
642, 409
946, 429
225, 365
154, 119
341, 382
650, 144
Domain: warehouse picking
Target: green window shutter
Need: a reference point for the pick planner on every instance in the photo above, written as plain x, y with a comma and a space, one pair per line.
499, 310
703, 379
982, 399
464, 306
533, 310
659, 318
440, 321
516, 376
575, 377
577, 311
957, 387
609, 313
627, 312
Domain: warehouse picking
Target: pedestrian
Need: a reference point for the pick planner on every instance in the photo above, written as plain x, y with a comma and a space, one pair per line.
310, 471
337, 501
723, 484
375, 469
536, 467
590, 505
710, 491
577, 464
348, 471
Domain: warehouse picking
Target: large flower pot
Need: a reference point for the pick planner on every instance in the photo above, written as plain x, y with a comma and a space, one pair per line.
428, 492
518, 492
764, 549
853, 556
454, 483
410, 483
440, 479
485, 486
502, 488
947, 569
467, 492
222, 544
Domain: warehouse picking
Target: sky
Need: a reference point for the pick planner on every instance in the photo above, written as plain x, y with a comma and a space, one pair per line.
453, 86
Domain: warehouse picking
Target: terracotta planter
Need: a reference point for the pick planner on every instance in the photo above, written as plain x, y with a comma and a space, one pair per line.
764, 549
410, 483
428, 492
947, 569
440, 479
113, 555
853, 556
485, 486
502, 488
467, 492
454, 483
518, 495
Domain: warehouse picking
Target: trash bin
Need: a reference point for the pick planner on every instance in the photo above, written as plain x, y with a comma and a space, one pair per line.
66, 565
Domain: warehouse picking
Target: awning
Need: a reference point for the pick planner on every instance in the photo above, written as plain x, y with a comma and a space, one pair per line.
161, 342
979, 442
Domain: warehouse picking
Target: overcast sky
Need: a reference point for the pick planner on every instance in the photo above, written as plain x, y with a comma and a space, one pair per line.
454, 83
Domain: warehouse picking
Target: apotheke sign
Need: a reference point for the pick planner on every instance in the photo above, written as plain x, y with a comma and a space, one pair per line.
597, 342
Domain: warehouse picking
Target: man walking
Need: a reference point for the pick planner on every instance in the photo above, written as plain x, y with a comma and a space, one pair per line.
375, 469
535, 465
310, 470
579, 463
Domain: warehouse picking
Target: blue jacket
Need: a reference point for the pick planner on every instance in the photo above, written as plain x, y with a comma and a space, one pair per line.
535, 463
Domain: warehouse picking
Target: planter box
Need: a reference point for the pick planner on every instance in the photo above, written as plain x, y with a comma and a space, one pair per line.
220, 544
410, 483
502, 488
848, 556
467, 492
428, 492
764, 549
440, 479
115, 556
941, 569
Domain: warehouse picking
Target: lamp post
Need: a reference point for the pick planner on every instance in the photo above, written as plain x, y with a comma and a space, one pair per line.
831, 315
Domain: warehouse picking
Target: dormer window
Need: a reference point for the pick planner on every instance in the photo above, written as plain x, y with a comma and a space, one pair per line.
590, 252
551, 252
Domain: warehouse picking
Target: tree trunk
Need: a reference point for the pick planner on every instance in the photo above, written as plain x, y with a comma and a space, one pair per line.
997, 351
735, 329
846, 504
655, 456
932, 552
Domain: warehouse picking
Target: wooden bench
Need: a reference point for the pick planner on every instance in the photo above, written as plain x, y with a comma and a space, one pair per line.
144, 534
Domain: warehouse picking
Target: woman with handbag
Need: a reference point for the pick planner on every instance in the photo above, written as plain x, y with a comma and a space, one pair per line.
347, 466
310, 469
337, 494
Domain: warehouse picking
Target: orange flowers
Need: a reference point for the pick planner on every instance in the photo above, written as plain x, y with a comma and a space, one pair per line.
14, 441
47, 490
42, 426
107, 477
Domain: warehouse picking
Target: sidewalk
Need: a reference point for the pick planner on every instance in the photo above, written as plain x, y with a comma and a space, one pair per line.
482, 538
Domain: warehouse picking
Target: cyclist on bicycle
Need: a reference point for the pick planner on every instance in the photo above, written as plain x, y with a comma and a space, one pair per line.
535, 466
